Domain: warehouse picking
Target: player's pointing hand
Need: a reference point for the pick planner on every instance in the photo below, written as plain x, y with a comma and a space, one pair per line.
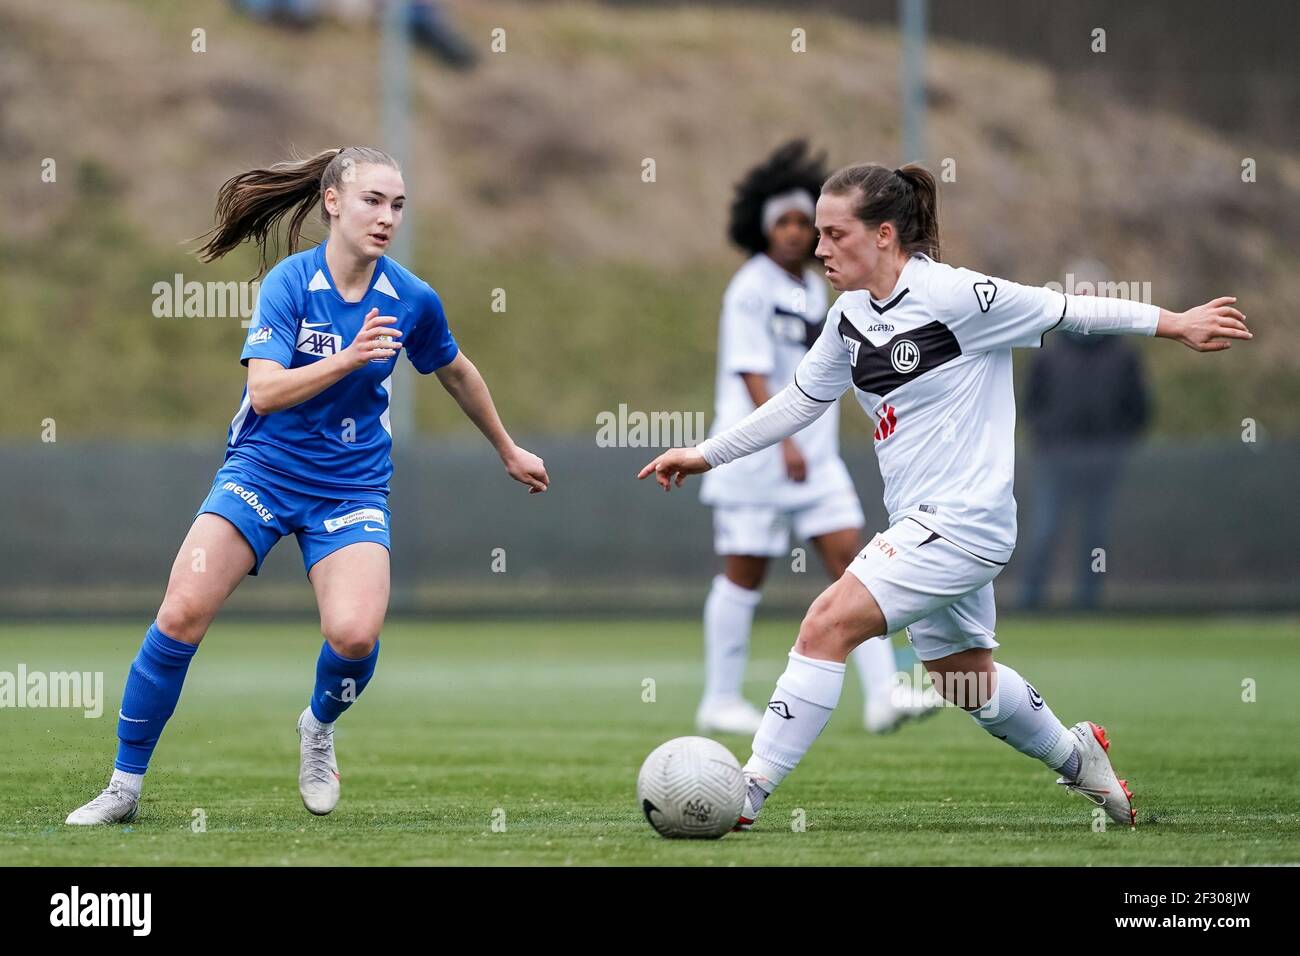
674, 465
1208, 327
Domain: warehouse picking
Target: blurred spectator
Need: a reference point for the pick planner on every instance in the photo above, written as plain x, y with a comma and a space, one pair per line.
431, 28
1086, 406
430, 25
289, 13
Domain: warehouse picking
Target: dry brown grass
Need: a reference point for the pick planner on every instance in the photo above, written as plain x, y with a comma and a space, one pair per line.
537, 156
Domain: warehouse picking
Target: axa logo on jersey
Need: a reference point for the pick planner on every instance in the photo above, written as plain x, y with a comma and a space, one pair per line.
313, 341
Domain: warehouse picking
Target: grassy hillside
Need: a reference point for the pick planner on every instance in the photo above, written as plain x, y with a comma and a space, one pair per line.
527, 177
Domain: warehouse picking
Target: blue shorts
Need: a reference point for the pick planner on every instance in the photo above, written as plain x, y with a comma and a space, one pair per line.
265, 510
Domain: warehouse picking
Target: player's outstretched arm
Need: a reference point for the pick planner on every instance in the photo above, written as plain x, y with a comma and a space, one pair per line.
463, 382
1205, 328
775, 420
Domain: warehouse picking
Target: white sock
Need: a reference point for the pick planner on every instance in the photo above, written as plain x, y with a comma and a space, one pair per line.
314, 726
131, 782
728, 616
874, 659
802, 703
1017, 713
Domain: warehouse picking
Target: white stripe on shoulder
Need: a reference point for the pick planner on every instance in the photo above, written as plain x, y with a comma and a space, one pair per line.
237, 423
386, 287
318, 282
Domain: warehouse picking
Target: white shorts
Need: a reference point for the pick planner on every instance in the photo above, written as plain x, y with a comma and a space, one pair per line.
941, 593
764, 531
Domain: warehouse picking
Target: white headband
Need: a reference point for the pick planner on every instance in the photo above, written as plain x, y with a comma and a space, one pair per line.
796, 200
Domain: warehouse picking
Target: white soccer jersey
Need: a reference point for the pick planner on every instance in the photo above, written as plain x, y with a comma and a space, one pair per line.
931, 364
769, 320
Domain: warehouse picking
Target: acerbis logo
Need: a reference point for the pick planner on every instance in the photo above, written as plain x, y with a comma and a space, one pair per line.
905, 356
781, 709
985, 292
879, 327
250, 498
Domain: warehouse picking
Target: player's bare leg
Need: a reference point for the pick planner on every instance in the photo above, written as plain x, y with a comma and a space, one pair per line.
841, 618
352, 586
728, 618
1009, 708
213, 559
886, 705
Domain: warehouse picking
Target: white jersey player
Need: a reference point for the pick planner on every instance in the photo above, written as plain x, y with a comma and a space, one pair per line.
773, 311
926, 349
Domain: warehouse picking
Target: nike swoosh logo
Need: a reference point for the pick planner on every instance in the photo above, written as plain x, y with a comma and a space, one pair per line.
314, 325
368, 528
134, 720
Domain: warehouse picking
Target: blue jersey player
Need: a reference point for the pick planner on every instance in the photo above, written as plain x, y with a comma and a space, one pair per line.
308, 450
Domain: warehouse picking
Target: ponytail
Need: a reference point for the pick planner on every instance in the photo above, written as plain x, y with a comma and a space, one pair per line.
252, 204
908, 197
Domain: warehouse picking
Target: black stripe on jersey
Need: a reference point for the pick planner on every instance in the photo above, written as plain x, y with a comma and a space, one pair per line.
882, 309
1065, 307
875, 372
824, 401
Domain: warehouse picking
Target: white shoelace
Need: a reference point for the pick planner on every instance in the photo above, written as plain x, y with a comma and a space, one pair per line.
317, 761
111, 797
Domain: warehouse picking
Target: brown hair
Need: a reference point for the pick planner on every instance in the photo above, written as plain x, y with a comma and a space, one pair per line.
908, 197
252, 204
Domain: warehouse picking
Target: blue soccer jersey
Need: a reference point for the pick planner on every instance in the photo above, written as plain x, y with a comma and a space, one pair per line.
340, 440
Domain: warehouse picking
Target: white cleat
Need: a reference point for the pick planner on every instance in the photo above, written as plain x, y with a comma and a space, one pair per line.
757, 790
728, 717
883, 715
115, 804
1097, 781
318, 771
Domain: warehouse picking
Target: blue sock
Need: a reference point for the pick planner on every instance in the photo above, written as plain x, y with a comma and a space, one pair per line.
339, 681
152, 689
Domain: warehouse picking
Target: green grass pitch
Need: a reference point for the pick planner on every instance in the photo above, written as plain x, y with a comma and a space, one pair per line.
542, 726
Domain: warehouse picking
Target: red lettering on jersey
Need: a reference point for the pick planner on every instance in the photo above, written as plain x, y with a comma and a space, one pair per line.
887, 424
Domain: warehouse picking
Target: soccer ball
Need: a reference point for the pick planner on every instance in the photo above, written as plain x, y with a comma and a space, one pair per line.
691, 788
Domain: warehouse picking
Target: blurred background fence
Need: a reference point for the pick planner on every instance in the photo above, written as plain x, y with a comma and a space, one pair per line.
92, 528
